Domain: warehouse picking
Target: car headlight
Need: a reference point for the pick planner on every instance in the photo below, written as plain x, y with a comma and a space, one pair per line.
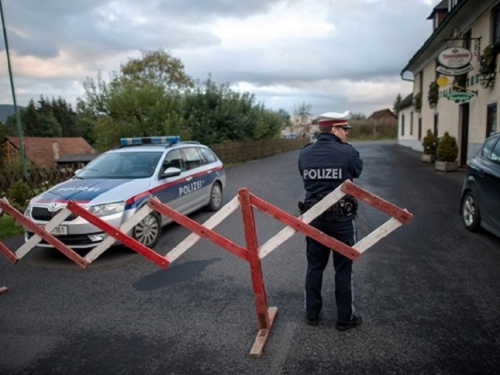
107, 209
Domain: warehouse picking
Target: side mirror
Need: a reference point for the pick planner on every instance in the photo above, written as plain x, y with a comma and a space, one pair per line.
170, 172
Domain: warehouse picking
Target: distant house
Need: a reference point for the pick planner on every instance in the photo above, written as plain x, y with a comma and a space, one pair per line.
406, 127
383, 115
48, 152
299, 125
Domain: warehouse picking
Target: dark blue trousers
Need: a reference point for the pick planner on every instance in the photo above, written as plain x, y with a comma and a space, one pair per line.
317, 260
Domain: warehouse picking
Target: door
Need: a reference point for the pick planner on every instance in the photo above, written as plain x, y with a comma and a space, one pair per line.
490, 180
169, 189
197, 184
464, 133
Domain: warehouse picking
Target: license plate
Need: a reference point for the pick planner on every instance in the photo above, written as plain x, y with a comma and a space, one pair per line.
60, 230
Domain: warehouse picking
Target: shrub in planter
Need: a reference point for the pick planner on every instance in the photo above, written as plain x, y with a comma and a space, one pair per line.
429, 144
446, 154
447, 149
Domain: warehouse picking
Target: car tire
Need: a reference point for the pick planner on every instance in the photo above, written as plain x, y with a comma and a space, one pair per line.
215, 197
470, 212
148, 231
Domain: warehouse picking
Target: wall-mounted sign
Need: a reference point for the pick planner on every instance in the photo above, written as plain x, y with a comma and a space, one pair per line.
458, 96
455, 61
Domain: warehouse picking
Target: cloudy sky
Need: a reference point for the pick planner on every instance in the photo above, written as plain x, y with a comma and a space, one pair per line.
333, 55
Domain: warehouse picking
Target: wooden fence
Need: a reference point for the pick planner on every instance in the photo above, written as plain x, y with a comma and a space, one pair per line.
234, 152
238, 152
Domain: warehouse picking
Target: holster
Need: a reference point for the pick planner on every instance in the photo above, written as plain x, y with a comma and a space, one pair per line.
346, 206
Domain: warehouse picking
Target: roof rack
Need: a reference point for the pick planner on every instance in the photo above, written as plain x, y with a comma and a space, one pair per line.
137, 141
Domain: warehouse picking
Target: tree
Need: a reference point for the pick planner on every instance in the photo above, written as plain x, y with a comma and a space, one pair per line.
358, 116
153, 96
397, 104
36, 122
3, 134
303, 110
217, 113
143, 99
285, 118
157, 67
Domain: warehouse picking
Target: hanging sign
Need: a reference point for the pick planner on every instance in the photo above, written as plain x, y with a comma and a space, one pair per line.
454, 61
459, 96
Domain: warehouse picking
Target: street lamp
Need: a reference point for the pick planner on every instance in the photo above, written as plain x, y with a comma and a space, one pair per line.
18, 120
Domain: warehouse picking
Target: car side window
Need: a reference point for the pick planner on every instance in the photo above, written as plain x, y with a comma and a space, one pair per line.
174, 159
208, 155
488, 146
495, 154
193, 157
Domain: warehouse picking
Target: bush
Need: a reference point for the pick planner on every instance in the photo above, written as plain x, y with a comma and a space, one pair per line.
429, 143
447, 149
18, 194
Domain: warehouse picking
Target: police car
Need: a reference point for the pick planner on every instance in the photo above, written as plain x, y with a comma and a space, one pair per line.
185, 175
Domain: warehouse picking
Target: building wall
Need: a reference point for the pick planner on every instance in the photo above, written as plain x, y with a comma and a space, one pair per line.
408, 129
448, 112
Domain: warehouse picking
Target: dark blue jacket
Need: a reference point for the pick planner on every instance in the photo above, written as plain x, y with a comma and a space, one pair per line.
326, 163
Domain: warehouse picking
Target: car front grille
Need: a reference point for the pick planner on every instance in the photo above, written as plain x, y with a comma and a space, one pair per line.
70, 240
43, 214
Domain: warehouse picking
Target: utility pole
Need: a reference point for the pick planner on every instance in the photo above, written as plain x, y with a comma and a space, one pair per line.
18, 120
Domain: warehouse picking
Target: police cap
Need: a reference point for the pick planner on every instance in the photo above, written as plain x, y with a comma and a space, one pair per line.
334, 119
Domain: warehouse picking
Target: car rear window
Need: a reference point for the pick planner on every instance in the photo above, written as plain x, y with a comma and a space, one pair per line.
488, 146
208, 155
495, 154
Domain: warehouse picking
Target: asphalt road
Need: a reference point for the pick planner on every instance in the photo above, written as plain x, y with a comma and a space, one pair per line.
429, 293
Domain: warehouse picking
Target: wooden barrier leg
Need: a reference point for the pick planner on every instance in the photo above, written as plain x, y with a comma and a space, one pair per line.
3, 290
265, 315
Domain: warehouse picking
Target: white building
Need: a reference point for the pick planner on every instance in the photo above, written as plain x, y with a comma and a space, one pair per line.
467, 107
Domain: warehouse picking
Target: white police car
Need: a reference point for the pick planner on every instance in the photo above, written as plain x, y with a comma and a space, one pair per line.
185, 175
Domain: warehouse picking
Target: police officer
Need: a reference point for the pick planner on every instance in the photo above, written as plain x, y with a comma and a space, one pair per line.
324, 165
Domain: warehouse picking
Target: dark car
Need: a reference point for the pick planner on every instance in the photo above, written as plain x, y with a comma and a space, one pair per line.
480, 205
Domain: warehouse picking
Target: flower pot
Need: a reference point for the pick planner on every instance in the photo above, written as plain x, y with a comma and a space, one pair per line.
426, 158
446, 166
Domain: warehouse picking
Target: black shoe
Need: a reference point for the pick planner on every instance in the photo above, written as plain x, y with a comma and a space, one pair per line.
354, 322
312, 322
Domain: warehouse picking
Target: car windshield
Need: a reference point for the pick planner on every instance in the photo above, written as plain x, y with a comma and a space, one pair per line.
122, 165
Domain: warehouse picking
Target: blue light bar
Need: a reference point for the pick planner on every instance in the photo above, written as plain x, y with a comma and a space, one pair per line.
169, 139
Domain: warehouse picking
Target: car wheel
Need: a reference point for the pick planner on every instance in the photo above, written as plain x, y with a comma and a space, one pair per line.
215, 197
470, 212
148, 230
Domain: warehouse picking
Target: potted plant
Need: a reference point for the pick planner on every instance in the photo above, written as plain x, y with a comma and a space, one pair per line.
433, 95
488, 64
446, 154
417, 102
429, 144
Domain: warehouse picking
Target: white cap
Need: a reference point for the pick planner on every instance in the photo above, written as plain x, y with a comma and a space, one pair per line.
337, 119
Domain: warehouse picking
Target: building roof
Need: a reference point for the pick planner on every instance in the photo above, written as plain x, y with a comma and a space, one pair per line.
382, 114
406, 102
76, 158
442, 6
45, 151
433, 42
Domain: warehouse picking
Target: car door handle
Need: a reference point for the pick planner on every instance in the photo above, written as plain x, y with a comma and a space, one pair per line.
209, 171
189, 179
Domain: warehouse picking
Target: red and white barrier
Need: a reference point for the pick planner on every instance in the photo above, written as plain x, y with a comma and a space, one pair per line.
252, 253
